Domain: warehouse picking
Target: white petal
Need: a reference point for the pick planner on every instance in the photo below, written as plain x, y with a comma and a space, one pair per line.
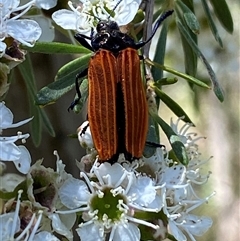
68, 219
198, 225
74, 193
44, 235
24, 162
115, 172
59, 227
9, 181
126, 11
7, 6
157, 203
6, 116
89, 233
46, 4
48, 32
66, 19
176, 232
173, 175
143, 191
25, 31
3, 47
127, 232
6, 226
9, 151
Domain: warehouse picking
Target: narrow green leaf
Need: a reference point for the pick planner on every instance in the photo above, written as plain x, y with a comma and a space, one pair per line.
29, 78
177, 146
189, 17
56, 48
211, 23
223, 14
216, 86
173, 106
190, 57
152, 136
36, 124
64, 81
160, 52
184, 76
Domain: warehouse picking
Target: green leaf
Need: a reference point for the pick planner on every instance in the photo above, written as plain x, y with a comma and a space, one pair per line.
189, 17
173, 106
184, 76
56, 48
152, 136
177, 146
211, 23
36, 126
190, 57
64, 81
223, 14
216, 86
160, 52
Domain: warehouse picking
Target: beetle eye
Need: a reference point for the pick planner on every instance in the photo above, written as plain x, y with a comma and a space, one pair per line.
101, 26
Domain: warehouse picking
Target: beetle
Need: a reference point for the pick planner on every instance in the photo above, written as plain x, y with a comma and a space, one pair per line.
117, 104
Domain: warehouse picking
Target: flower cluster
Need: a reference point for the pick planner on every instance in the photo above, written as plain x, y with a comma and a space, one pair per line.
82, 17
26, 31
114, 202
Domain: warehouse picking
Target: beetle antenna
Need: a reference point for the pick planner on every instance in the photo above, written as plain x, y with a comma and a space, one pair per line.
155, 28
112, 11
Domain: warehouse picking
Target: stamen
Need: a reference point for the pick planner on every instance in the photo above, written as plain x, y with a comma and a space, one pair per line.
36, 225
112, 232
139, 221
82, 174
185, 128
130, 181
125, 172
87, 223
122, 206
117, 191
16, 213
190, 235
27, 229
198, 203
27, 6
72, 210
144, 208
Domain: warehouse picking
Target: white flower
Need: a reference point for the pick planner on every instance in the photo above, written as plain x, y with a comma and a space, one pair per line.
83, 17
109, 203
12, 230
25, 31
9, 150
191, 224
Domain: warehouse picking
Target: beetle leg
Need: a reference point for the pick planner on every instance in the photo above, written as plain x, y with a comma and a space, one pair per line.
154, 144
81, 38
77, 85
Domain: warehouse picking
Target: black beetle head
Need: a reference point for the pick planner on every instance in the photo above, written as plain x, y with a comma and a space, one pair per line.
107, 26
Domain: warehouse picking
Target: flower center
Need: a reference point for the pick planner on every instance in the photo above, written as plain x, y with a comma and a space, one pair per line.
108, 205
